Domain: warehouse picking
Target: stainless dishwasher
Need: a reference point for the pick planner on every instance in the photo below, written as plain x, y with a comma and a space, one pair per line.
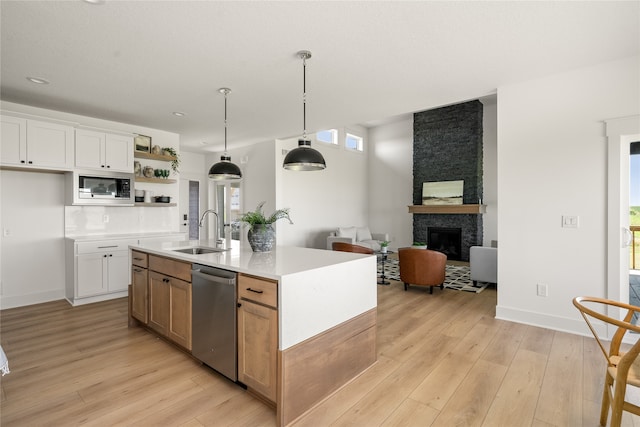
214, 319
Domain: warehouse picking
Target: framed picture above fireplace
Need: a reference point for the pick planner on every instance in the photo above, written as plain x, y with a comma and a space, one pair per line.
442, 192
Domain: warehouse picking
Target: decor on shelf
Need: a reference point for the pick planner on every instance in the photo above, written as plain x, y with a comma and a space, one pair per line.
442, 193
304, 158
419, 245
261, 234
384, 245
142, 143
175, 163
148, 172
224, 169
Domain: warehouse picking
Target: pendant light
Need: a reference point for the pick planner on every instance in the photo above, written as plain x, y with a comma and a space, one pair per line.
224, 169
304, 158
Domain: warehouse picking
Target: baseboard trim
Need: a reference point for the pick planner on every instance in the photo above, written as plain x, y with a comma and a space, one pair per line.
37, 298
542, 320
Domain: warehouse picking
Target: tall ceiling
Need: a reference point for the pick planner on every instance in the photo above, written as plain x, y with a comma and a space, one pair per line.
139, 61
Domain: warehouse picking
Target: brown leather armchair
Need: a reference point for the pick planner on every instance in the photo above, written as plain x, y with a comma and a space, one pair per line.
422, 267
348, 247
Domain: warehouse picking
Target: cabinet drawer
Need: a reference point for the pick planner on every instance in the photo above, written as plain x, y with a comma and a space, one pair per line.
140, 259
179, 269
258, 290
104, 246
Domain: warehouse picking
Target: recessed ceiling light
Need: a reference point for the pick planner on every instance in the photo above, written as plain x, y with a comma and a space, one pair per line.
95, 1
179, 114
38, 80
204, 143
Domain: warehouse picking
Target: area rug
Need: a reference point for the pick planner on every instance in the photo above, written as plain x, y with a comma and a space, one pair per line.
456, 277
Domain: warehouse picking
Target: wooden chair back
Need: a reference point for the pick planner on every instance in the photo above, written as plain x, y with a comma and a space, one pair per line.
348, 247
623, 367
422, 267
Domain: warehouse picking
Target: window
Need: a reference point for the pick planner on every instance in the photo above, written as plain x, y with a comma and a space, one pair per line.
353, 142
330, 136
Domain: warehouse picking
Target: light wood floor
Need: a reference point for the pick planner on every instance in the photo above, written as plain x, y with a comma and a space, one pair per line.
443, 360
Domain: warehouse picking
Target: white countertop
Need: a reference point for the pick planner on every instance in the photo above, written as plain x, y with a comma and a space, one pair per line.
282, 261
91, 237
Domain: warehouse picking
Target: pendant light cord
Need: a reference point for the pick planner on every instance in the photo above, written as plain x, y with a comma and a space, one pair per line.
225, 123
304, 97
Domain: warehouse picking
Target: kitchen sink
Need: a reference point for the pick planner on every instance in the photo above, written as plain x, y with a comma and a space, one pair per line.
198, 250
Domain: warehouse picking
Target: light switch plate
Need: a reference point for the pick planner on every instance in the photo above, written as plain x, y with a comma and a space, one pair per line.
570, 221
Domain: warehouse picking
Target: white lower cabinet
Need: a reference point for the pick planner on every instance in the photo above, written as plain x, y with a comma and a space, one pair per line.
97, 270
101, 273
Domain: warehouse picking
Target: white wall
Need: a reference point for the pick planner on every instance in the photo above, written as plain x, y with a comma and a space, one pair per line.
32, 254
552, 162
322, 201
390, 186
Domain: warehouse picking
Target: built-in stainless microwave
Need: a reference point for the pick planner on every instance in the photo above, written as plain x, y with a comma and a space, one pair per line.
100, 188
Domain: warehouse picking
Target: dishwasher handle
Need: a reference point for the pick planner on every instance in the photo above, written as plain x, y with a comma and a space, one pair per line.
213, 278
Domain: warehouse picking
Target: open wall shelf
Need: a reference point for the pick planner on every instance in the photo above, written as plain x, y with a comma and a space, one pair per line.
155, 205
150, 156
155, 180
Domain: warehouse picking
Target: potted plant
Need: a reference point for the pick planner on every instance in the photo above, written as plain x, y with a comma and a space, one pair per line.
419, 245
175, 163
383, 246
261, 234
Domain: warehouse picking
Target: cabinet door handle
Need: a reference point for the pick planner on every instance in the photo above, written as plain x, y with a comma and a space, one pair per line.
22, 161
138, 259
137, 270
104, 247
255, 290
104, 256
165, 280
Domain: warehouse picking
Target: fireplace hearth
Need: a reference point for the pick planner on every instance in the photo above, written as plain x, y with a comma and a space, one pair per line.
447, 240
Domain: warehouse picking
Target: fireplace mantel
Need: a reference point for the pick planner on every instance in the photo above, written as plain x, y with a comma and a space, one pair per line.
448, 209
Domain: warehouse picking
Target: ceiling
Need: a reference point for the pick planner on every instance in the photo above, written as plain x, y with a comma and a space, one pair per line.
139, 61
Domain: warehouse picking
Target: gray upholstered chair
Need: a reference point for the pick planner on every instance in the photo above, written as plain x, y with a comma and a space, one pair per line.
483, 264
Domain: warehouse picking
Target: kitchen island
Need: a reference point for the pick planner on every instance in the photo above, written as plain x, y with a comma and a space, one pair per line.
323, 317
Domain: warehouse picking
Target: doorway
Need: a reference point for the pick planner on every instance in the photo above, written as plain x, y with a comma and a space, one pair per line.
620, 134
634, 223
228, 206
190, 208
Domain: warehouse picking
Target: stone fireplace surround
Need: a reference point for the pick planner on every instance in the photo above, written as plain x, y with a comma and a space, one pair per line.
447, 145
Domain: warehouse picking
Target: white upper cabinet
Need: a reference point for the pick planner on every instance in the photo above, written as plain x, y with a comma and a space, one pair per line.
35, 144
13, 140
103, 151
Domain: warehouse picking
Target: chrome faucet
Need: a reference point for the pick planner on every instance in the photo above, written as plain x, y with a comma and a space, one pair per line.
215, 229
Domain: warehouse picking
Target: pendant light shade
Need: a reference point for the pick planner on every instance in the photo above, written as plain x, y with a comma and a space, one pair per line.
224, 169
304, 158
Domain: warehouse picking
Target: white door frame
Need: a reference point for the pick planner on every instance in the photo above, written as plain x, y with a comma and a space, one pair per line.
620, 133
